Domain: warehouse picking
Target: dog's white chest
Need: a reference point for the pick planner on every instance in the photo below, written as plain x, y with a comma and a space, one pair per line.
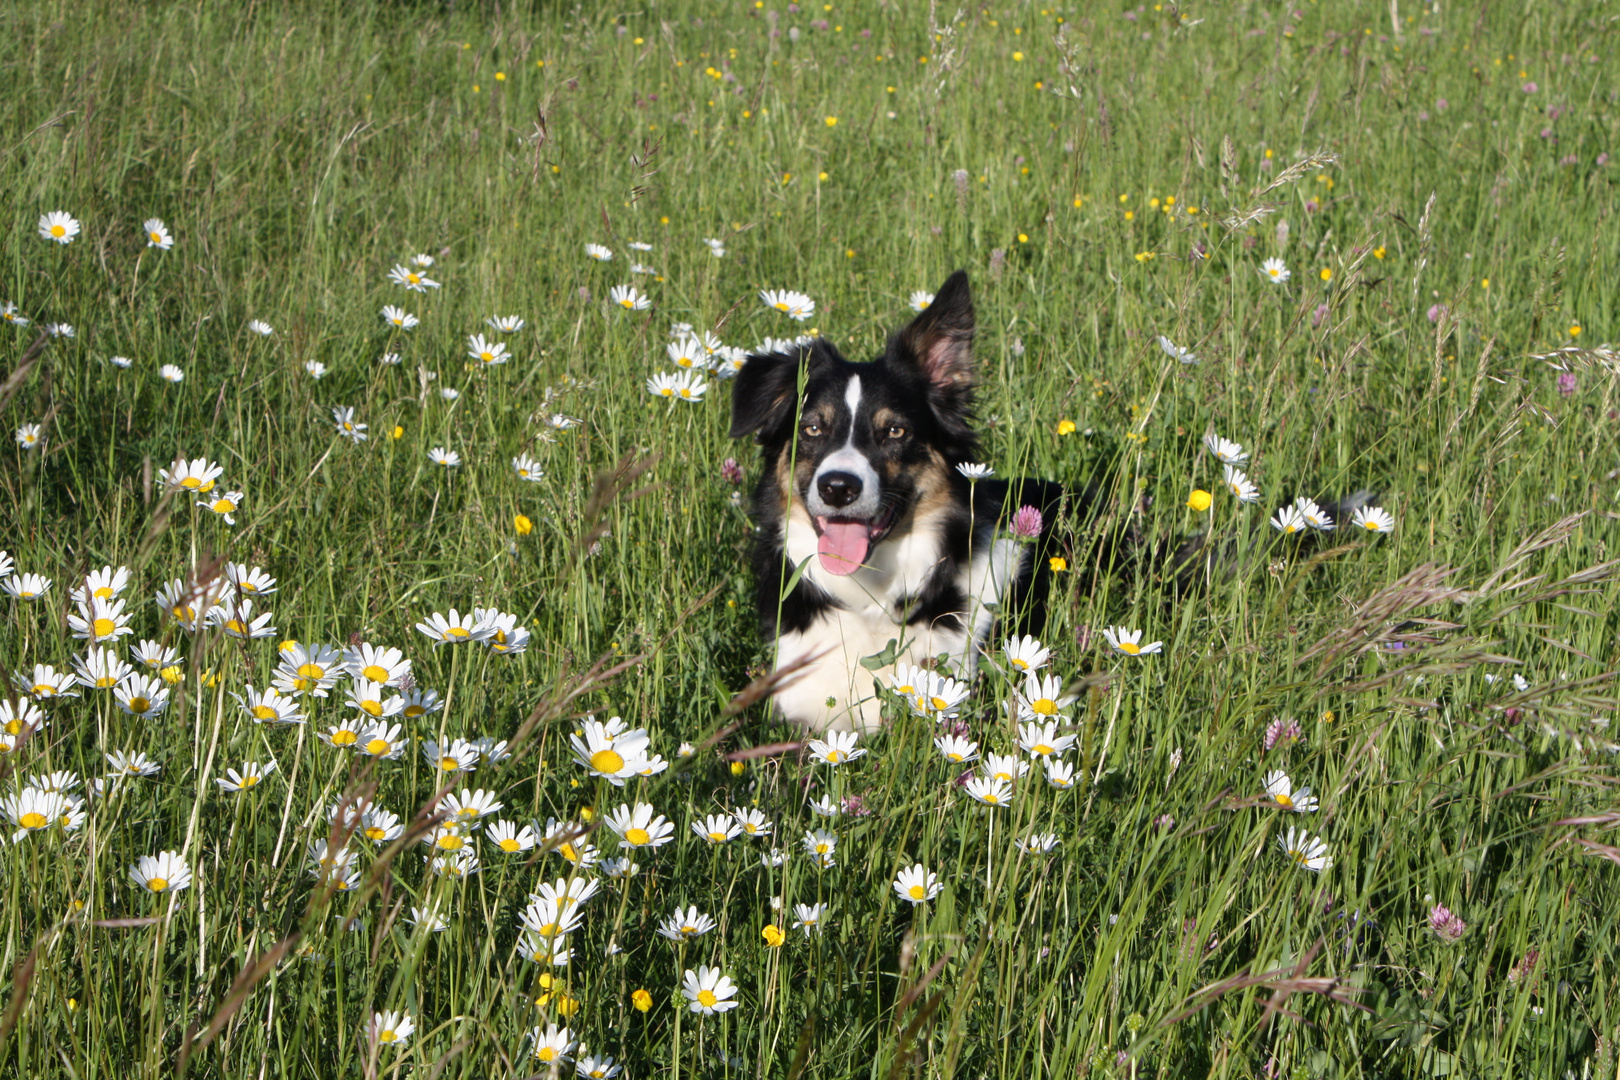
834, 690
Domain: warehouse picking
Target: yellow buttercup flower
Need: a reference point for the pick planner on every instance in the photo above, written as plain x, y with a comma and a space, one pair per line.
1199, 500
1058, 564
1065, 427
641, 1000
523, 525
773, 936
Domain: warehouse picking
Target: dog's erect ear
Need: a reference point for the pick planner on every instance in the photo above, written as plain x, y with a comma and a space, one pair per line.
762, 395
941, 338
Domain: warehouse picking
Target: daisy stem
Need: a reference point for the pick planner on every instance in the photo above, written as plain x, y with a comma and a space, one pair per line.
680, 1008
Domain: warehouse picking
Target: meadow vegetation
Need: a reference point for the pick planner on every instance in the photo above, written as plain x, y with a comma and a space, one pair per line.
245, 188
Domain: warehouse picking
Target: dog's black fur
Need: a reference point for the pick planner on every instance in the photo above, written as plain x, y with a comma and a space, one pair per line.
860, 497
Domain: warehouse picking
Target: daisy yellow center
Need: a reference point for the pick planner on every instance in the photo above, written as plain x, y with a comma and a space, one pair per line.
1297, 855
387, 1036
248, 781
569, 852
103, 627
1021, 665
546, 1053
191, 482
917, 892
44, 690
607, 761
823, 848
374, 673
106, 682
1130, 647
523, 472
718, 837
1284, 800
1044, 707
139, 704
627, 302
157, 884
991, 797
237, 626
373, 708
457, 632
27, 594
686, 391
509, 844
1273, 271
375, 834
450, 842
58, 231
667, 392
223, 506
707, 999
781, 305
834, 756
1373, 525
312, 671
157, 238
14, 727
413, 278
248, 586
549, 930
939, 703
1291, 528
750, 828
413, 711
206, 485
104, 593
344, 738
263, 712
33, 820
638, 837
1044, 750
954, 757
379, 747
449, 764
183, 613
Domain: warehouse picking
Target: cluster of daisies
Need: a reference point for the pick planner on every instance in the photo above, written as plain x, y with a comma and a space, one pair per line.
487, 351
1303, 513
63, 228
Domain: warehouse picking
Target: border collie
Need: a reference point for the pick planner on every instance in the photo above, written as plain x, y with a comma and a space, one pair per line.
867, 533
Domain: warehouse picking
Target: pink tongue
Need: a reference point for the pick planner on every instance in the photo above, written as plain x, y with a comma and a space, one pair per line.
843, 545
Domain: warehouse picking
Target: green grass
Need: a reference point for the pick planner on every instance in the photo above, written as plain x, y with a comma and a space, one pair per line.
300, 151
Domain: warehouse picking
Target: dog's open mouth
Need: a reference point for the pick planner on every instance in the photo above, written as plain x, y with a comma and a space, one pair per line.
843, 543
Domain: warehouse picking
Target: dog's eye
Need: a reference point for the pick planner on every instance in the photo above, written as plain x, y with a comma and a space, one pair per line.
812, 431
896, 431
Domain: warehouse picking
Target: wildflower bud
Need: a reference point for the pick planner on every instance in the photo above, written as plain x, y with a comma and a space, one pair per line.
1199, 500
641, 1000
738, 768
1027, 523
773, 936
1447, 925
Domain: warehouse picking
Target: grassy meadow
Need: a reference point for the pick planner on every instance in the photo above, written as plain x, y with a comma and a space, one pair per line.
1436, 181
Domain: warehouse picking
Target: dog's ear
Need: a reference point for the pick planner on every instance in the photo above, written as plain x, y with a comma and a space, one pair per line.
762, 395
941, 339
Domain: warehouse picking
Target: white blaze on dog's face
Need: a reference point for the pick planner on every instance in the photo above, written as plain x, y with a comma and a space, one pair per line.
845, 494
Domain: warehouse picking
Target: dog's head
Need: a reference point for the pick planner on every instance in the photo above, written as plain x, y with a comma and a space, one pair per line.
859, 446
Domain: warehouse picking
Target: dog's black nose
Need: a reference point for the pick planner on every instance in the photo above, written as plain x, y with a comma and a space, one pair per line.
838, 488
